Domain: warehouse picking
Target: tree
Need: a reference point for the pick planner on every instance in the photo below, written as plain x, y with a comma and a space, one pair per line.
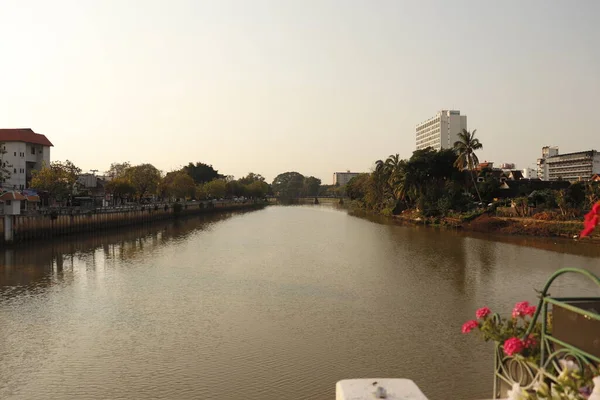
215, 189
465, 148
120, 188
58, 179
288, 185
177, 184
117, 170
257, 189
592, 193
311, 186
202, 173
251, 178
357, 187
234, 188
145, 179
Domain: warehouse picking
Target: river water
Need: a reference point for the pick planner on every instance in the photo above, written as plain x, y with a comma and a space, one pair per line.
273, 304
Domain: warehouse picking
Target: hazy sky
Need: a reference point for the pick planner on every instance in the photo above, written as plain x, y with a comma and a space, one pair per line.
314, 86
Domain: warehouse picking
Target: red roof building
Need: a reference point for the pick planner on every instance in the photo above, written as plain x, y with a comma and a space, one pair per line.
23, 151
24, 135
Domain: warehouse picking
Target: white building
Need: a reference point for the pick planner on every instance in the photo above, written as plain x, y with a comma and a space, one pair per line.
441, 131
530, 173
542, 167
25, 151
342, 178
573, 166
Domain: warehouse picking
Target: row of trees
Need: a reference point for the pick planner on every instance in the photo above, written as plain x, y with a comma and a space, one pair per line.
137, 182
200, 181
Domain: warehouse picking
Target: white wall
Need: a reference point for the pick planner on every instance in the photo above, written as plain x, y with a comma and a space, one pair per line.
16, 157
342, 178
596, 164
530, 173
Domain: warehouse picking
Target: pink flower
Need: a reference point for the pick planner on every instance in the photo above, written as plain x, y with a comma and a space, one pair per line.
513, 346
469, 326
482, 313
530, 342
530, 311
521, 309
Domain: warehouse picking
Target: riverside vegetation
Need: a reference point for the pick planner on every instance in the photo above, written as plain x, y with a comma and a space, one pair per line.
128, 183
447, 187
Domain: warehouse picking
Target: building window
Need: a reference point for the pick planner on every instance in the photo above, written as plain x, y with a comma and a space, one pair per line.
40, 152
15, 153
15, 170
33, 151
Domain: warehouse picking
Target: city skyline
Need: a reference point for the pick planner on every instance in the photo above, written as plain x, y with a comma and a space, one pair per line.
316, 88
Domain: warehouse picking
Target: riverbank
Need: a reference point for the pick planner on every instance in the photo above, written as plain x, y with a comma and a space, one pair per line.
29, 228
486, 223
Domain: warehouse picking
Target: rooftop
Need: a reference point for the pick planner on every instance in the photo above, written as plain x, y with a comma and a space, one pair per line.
587, 152
23, 135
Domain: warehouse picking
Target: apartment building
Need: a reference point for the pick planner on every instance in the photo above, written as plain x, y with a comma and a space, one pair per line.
440, 131
573, 166
24, 152
342, 178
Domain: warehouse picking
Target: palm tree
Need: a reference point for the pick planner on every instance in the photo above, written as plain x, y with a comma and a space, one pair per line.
465, 148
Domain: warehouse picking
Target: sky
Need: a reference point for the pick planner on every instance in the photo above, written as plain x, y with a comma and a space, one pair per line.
314, 86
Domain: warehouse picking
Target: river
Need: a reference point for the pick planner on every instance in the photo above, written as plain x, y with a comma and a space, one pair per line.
273, 304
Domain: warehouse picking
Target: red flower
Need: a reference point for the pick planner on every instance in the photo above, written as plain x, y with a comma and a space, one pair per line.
469, 326
513, 346
530, 311
530, 342
482, 313
521, 309
591, 221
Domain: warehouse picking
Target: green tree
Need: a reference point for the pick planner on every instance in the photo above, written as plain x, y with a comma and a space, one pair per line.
357, 187
465, 148
202, 173
117, 170
257, 189
58, 179
145, 179
311, 186
177, 184
120, 188
251, 178
215, 189
234, 188
288, 185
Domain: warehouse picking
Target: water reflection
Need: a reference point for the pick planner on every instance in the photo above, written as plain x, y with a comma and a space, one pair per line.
50, 261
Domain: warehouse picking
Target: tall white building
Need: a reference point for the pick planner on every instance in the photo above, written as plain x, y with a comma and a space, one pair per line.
25, 151
542, 166
342, 178
441, 131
